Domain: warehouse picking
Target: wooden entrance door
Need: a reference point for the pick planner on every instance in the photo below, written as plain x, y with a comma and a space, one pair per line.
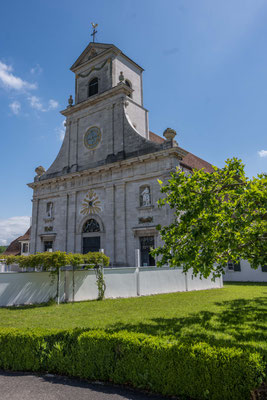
146, 243
91, 244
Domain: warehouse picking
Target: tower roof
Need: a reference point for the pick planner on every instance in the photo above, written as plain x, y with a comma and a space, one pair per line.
94, 50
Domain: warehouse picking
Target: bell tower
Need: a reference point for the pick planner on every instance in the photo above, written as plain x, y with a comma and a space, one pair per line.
106, 122
101, 67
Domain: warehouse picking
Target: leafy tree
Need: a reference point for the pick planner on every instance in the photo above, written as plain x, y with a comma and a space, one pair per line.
218, 217
2, 249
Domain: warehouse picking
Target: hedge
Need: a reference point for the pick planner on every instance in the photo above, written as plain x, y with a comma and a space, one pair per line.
163, 366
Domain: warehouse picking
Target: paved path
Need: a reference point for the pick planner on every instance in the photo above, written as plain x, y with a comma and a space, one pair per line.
20, 386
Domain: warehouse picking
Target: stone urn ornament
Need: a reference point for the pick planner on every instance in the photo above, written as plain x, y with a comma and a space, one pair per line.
169, 134
40, 170
121, 77
70, 101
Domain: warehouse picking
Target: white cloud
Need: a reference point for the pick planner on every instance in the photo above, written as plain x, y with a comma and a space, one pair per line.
262, 153
61, 131
36, 103
13, 227
52, 104
11, 81
15, 107
37, 70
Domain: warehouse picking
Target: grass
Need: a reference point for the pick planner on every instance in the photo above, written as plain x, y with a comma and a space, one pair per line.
232, 316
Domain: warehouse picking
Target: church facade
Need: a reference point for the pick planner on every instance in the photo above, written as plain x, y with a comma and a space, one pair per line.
101, 191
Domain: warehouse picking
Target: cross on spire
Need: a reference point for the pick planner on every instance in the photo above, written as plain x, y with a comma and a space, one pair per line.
94, 31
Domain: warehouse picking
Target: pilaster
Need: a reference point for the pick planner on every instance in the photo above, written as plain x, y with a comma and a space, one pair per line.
120, 225
110, 249
71, 223
34, 228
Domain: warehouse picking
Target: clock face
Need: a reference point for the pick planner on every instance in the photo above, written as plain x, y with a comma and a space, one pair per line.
92, 137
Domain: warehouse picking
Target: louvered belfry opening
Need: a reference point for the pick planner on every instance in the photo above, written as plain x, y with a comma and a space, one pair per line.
93, 87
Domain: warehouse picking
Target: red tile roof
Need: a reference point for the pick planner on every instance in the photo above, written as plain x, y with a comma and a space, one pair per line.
26, 235
190, 160
155, 138
14, 249
194, 162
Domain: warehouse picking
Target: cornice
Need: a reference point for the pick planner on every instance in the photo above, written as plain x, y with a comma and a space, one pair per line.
111, 48
176, 152
121, 88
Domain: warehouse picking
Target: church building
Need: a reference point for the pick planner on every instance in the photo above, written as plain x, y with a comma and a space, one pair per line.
101, 191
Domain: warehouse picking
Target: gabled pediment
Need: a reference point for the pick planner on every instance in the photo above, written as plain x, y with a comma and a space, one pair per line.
92, 50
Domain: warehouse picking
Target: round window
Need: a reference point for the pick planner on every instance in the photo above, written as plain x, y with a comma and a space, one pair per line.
92, 137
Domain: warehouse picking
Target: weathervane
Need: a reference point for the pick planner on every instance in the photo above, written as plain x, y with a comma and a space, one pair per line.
94, 31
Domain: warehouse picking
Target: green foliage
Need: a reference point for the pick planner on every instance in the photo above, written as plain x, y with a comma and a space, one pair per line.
101, 285
160, 365
94, 260
55, 260
2, 249
219, 217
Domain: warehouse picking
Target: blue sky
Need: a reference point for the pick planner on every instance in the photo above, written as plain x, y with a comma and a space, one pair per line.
205, 76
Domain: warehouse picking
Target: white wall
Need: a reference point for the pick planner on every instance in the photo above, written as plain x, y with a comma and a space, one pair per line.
247, 274
84, 285
36, 287
2, 267
196, 283
121, 282
165, 280
138, 118
27, 288
132, 74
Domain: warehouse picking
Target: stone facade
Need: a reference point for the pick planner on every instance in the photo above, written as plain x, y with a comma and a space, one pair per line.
102, 190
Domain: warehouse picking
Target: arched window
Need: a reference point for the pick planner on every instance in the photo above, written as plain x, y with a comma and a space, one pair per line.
93, 87
91, 225
145, 196
128, 83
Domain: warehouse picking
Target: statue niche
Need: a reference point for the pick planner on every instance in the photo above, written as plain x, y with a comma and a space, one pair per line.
145, 196
49, 209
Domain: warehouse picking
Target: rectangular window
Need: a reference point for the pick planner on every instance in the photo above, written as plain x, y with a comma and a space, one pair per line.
264, 268
48, 246
25, 248
234, 266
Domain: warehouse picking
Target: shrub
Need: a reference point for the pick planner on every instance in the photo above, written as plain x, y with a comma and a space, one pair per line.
160, 365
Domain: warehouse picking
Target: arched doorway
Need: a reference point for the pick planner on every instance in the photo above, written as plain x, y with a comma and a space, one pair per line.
91, 240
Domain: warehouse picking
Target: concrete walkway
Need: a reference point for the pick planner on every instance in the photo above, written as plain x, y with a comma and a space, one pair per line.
21, 386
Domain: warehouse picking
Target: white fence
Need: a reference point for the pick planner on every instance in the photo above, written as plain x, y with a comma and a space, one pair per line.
36, 287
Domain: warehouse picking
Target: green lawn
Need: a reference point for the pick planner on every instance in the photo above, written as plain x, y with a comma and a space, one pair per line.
235, 315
